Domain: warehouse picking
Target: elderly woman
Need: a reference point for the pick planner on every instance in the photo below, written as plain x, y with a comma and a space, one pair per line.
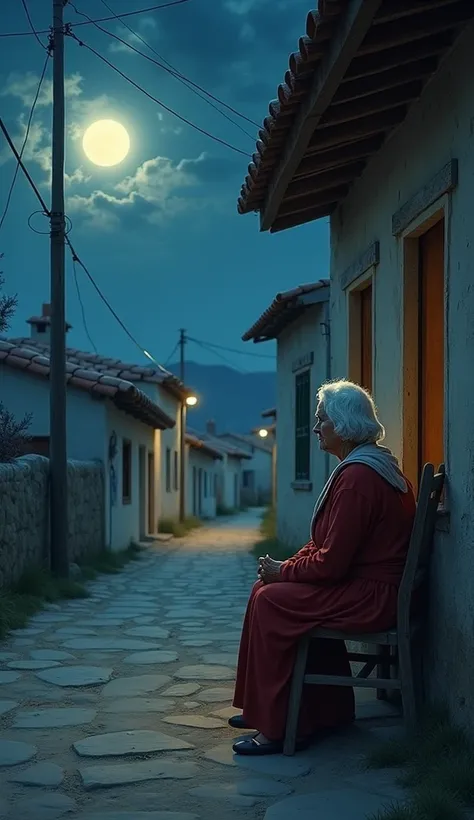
345, 578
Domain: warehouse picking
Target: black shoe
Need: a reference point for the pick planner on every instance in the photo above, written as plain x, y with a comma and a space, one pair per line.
238, 722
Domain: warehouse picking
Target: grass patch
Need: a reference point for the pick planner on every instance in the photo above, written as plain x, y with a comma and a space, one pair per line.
179, 528
109, 562
269, 542
439, 767
35, 588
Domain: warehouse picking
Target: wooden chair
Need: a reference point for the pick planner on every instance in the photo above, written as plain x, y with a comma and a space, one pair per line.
394, 647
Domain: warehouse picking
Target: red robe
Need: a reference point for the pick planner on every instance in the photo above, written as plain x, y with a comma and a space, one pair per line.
345, 578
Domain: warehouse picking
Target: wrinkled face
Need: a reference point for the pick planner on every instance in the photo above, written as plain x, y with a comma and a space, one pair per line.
329, 441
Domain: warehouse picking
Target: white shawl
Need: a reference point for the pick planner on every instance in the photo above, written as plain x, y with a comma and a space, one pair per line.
379, 458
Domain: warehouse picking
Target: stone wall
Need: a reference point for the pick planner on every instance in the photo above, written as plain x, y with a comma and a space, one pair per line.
86, 505
24, 513
23, 516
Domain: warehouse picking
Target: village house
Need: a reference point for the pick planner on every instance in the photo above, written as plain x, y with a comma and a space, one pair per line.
228, 474
298, 320
256, 489
374, 127
202, 478
134, 430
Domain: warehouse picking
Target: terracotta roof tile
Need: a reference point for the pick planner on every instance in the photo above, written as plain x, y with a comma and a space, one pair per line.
126, 395
284, 309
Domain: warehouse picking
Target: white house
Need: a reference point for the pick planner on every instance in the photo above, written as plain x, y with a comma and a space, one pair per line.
374, 127
155, 450
202, 477
228, 479
108, 419
256, 486
298, 320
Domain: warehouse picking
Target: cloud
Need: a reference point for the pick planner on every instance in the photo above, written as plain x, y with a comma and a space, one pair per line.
159, 191
145, 25
24, 86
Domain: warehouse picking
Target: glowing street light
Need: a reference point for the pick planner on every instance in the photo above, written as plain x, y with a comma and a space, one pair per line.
191, 401
263, 432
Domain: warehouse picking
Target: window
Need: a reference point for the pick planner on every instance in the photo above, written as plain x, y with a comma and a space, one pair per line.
168, 470
215, 485
205, 483
302, 426
361, 334
126, 471
248, 479
176, 471
431, 346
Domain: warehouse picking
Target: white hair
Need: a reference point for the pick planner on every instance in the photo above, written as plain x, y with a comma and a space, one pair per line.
352, 411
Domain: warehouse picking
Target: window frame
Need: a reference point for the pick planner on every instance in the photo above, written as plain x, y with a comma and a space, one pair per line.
303, 377
354, 330
175, 470
411, 375
127, 471
168, 469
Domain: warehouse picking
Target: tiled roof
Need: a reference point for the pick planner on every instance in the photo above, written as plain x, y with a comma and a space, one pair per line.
109, 366
285, 308
125, 395
221, 446
204, 447
357, 70
271, 413
251, 441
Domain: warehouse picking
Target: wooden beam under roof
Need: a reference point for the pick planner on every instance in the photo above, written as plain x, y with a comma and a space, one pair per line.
352, 31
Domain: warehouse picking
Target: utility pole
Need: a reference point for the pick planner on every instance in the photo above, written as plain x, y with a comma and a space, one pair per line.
58, 454
182, 430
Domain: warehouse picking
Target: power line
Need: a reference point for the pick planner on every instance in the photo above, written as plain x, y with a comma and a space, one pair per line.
200, 92
232, 349
27, 133
132, 338
156, 100
219, 355
28, 17
81, 303
100, 19
168, 360
21, 165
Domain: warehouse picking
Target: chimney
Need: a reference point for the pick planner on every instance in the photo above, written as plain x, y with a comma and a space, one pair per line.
211, 427
41, 325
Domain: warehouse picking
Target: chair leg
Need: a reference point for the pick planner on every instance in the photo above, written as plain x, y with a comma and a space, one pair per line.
407, 682
294, 701
383, 669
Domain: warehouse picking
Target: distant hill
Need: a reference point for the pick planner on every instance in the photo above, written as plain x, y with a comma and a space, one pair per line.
233, 400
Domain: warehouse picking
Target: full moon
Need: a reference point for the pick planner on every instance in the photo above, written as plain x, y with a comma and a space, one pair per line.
106, 143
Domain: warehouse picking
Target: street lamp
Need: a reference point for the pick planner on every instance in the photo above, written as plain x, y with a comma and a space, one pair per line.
263, 432
190, 400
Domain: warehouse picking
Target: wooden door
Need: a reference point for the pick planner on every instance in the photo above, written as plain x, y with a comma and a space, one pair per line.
151, 493
431, 346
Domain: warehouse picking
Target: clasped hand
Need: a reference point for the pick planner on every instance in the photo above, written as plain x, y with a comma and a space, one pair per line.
269, 570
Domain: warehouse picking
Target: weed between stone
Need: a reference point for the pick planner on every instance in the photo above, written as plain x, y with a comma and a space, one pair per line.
439, 768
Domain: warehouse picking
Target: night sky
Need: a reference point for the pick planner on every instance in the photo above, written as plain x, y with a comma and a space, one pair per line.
159, 232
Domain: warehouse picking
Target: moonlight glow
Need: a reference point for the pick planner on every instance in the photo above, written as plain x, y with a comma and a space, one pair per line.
106, 143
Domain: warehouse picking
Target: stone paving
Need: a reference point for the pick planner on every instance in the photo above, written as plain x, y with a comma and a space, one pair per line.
115, 707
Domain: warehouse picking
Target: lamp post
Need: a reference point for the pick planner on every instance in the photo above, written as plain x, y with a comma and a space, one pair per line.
187, 401
264, 433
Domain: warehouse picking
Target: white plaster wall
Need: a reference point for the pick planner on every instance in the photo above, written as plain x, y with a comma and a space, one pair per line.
295, 506
227, 469
260, 464
439, 127
125, 519
168, 501
86, 426
200, 460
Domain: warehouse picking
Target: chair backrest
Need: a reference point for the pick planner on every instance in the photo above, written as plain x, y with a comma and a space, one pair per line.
419, 550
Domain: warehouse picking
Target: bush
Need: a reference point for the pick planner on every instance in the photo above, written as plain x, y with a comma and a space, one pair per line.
222, 510
109, 562
270, 543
